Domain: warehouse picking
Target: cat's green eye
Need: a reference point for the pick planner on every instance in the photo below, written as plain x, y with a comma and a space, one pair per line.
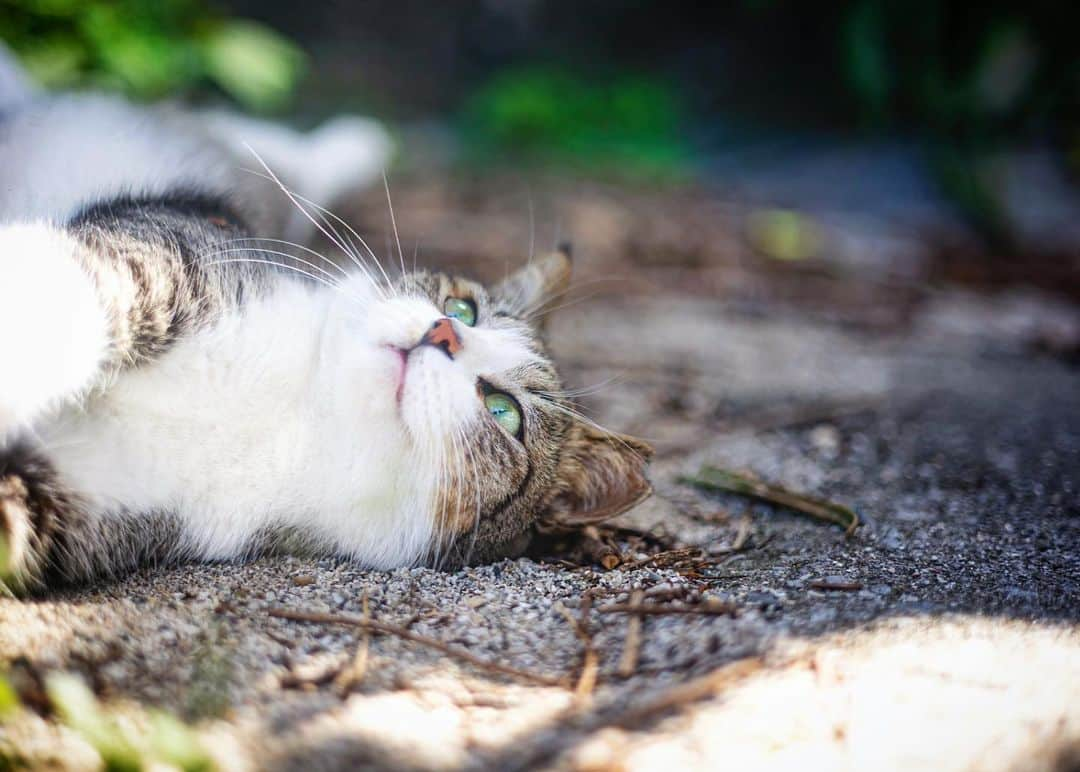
461, 309
505, 410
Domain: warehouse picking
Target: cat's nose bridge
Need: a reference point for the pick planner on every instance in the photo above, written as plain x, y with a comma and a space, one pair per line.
442, 335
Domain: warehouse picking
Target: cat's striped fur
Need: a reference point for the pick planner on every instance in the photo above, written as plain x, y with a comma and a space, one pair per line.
168, 391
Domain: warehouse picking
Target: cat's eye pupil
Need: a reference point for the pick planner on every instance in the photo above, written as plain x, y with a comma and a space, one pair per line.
462, 309
505, 410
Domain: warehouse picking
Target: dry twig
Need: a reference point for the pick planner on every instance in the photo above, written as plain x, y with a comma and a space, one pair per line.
691, 691
632, 648
590, 662
598, 549
664, 559
708, 608
400, 632
353, 674
743, 534
825, 584
726, 481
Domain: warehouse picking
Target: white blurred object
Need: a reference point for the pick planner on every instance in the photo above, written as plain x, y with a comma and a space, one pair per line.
15, 85
342, 156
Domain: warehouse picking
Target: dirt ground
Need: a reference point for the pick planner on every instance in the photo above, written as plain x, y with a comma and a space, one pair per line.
945, 633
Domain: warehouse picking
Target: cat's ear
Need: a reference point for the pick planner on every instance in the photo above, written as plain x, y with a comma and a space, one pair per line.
600, 475
545, 278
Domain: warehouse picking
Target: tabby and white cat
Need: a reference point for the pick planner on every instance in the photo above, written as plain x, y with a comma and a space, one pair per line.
168, 391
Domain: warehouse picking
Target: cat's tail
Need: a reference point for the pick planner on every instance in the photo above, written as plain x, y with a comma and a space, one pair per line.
15, 85
324, 165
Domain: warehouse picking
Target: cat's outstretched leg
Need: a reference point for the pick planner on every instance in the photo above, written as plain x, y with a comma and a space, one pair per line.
113, 288
54, 331
35, 513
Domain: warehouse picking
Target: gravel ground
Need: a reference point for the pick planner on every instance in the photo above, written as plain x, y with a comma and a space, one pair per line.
949, 637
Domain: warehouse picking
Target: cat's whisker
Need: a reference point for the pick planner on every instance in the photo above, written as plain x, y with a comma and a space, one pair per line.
583, 391
296, 199
331, 278
285, 242
579, 416
324, 212
313, 277
544, 307
532, 231
393, 221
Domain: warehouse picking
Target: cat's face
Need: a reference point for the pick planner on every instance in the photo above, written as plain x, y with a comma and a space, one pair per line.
483, 418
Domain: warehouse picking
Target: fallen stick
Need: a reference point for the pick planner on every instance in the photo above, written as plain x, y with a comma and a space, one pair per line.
353, 674
432, 643
657, 609
825, 584
590, 662
632, 648
715, 479
689, 692
599, 550
685, 553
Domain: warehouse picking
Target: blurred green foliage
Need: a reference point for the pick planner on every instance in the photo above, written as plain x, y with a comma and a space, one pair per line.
971, 78
123, 744
630, 125
151, 48
965, 70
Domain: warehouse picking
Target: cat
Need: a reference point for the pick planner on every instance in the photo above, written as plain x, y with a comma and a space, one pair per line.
174, 389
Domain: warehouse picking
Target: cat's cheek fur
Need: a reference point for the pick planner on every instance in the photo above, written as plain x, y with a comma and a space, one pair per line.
53, 331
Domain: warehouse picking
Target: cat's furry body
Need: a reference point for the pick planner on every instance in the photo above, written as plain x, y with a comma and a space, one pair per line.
166, 392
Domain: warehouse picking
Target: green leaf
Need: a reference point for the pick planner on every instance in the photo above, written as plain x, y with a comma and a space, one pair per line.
866, 57
9, 699
175, 743
80, 710
253, 64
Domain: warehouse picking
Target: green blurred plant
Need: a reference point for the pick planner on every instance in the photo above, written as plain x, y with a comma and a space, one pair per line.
969, 76
151, 48
629, 124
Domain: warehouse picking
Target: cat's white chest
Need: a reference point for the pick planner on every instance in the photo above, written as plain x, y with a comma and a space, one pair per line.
234, 431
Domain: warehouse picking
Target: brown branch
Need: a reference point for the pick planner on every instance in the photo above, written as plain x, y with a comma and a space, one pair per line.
708, 608
668, 556
691, 691
825, 584
400, 632
632, 648
598, 549
743, 534
723, 480
590, 662
353, 674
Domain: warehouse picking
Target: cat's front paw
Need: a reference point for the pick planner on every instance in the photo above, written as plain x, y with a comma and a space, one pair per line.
17, 561
53, 330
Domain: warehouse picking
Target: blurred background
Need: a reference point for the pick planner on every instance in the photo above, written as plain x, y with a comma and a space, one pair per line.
846, 157
835, 245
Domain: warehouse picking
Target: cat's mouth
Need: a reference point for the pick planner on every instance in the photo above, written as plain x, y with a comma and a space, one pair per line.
402, 372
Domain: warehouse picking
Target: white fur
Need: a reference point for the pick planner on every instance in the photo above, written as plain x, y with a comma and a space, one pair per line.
53, 331
59, 155
283, 414
15, 85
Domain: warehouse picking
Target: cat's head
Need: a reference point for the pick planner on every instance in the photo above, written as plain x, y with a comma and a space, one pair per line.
482, 409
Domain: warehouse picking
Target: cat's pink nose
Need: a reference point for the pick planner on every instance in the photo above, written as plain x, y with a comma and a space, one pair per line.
443, 335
